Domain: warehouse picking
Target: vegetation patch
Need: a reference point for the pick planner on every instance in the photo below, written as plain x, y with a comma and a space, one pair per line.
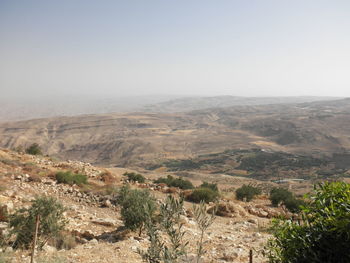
34, 149
71, 178
211, 186
247, 192
282, 196
175, 182
136, 207
23, 222
323, 235
202, 195
134, 177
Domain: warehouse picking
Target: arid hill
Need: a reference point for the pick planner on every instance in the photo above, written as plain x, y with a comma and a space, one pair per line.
136, 139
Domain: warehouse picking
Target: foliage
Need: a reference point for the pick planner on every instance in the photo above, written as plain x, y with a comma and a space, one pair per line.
175, 182
279, 195
34, 149
211, 186
134, 203
323, 236
294, 204
23, 222
247, 192
283, 196
202, 194
179, 165
71, 178
169, 221
203, 221
134, 177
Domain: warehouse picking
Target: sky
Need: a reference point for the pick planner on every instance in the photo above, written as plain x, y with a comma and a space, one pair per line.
179, 47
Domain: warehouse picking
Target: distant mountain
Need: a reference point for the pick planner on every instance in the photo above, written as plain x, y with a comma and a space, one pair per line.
136, 139
44, 107
198, 103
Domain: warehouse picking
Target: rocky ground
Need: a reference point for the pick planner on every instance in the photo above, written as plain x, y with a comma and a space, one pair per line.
94, 217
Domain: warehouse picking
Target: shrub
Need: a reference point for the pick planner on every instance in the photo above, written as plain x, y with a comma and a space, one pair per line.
211, 186
133, 207
279, 195
247, 192
134, 177
202, 195
71, 178
294, 204
34, 149
65, 240
51, 222
324, 235
283, 196
170, 222
175, 182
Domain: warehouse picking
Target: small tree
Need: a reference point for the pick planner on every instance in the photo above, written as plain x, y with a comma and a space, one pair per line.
71, 178
204, 221
203, 195
23, 222
34, 149
211, 186
323, 236
283, 196
134, 203
175, 182
169, 222
247, 192
134, 177
279, 195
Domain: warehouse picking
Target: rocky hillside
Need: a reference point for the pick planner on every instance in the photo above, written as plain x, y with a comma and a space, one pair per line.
134, 140
94, 222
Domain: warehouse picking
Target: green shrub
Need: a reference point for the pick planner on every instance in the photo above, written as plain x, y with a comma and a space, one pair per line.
294, 205
211, 186
134, 177
171, 246
247, 192
71, 178
23, 222
279, 195
202, 194
34, 149
283, 196
323, 236
133, 207
175, 182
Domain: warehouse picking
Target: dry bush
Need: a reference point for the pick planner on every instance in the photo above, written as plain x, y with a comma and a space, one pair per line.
65, 240
107, 177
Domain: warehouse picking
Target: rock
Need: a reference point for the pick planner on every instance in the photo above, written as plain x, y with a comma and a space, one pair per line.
93, 241
229, 257
49, 249
107, 203
105, 222
88, 234
8, 250
253, 221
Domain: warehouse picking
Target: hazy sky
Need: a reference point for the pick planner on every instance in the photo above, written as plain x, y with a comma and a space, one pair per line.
189, 47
